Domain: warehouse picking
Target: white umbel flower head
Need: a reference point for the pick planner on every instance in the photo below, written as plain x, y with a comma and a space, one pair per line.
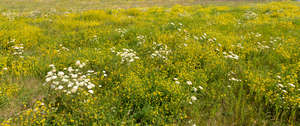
91, 91
189, 82
194, 98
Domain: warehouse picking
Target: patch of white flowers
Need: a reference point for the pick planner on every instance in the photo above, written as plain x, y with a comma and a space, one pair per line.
250, 15
141, 39
235, 79
178, 26
127, 55
230, 55
122, 31
261, 46
231, 78
253, 34
18, 50
62, 49
11, 15
70, 80
239, 45
160, 51
176, 81
193, 98
5, 69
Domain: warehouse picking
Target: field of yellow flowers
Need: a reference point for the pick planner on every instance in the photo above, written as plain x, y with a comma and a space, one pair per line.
180, 65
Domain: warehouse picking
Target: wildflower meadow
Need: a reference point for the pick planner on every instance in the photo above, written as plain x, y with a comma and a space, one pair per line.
193, 65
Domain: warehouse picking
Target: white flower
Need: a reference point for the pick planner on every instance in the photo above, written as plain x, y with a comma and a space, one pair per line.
86, 80
48, 79
195, 89
60, 87
70, 69
200, 87
234, 79
83, 76
100, 86
131, 60
90, 71
51, 65
53, 70
56, 82
77, 63
91, 91
105, 75
70, 84
5, 68
189, 82
64, 80
60, 73
177, 82
81, 83
74, 89
74, 75
280, 85
175, 79
53, 77
50, 73
82, 65
90, 86
194, 98
291, 84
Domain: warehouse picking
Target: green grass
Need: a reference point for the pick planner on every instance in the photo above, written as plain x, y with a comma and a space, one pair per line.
220, 63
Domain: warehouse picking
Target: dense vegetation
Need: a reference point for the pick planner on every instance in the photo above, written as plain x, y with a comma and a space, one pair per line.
185, 65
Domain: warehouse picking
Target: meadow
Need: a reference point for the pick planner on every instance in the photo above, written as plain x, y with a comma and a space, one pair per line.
191, 64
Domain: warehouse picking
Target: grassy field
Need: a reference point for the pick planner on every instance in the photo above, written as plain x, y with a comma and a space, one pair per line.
149, 62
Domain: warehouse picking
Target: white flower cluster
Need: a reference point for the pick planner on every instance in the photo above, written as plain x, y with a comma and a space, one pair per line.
70, 80
176, 80
235, 79
62, 48
189, 83
230, 55
141, 39
257, 35
161, 51
3, 69
261, 46
18, 50
204, 36
178, 26
284, 86
250, 15
122, 31
239, 45
127, 55
12, 41
274, 40
11, 15
230, 74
